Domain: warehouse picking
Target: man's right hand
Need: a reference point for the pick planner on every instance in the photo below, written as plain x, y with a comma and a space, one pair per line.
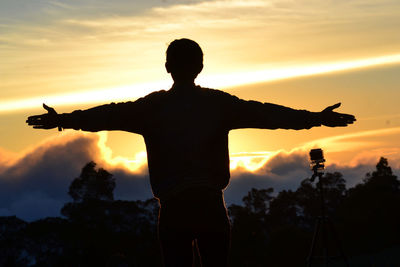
48, 120
331, 118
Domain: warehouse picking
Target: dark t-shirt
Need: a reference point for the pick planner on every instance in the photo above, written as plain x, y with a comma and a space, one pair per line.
186, 132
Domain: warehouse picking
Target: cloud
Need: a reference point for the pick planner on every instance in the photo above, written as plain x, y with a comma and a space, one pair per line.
25, 9
353, 155
37, 182
34, 184
361, 148
63, 46
282, 172
357, 135
286, 170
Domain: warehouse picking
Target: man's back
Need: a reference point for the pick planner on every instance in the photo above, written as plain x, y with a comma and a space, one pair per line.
187, 140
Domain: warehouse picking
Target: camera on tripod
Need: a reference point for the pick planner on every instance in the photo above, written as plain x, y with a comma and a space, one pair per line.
323, 226
317, 162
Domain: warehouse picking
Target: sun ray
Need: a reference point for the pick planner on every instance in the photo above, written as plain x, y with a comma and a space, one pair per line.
223, 81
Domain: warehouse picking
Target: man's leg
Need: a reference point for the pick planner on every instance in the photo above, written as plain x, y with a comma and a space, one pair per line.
175, 234
213, 232
214, 249
176, 248
196, 213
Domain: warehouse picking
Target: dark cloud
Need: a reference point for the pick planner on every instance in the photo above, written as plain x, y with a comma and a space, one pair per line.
36, 185
285, 171
354, 175
284, 164
282, 172
132, 186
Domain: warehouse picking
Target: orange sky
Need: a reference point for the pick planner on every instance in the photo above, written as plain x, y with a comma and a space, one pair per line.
303, 54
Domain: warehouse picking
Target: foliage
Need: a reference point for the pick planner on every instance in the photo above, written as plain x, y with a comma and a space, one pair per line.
92, 184
249, 233
267, 230
371, 211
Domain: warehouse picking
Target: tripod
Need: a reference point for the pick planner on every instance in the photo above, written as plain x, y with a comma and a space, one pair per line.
324, 226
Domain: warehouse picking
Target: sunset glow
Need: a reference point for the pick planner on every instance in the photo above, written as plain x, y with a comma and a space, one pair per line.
249, 161
134, 164
224, 81
296, 53
252, 161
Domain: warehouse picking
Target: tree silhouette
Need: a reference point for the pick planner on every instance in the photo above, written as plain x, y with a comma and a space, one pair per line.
92, 184
110, 232
285, 209
370, 213
267, 230
383, 177
249, 234
257, 200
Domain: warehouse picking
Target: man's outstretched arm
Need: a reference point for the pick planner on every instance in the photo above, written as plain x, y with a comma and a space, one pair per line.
127, 116
253, 114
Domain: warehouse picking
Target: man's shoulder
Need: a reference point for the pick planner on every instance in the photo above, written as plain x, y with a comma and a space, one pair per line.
221, 97
156, 94
153, 97
216, 93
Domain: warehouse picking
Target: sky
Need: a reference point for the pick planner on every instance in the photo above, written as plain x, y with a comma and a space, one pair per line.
305, 54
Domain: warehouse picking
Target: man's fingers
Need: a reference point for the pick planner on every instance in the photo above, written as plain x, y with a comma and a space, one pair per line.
348, 117
35, 123
46, 107
337, 124
49, 109
330, 108
35, 117
334, 119
41, 126
30, 122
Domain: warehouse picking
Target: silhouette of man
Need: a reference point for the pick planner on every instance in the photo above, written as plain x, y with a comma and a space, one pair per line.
186, 134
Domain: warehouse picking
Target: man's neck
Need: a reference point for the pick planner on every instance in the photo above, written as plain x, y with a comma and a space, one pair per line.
184, 84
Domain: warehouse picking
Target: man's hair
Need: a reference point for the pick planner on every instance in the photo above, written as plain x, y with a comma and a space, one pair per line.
184, 55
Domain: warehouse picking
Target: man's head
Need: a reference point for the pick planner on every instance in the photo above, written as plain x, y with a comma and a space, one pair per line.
184, 60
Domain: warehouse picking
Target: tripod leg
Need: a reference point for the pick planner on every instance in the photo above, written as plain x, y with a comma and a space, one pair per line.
314, 241
325, 241
337, 241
